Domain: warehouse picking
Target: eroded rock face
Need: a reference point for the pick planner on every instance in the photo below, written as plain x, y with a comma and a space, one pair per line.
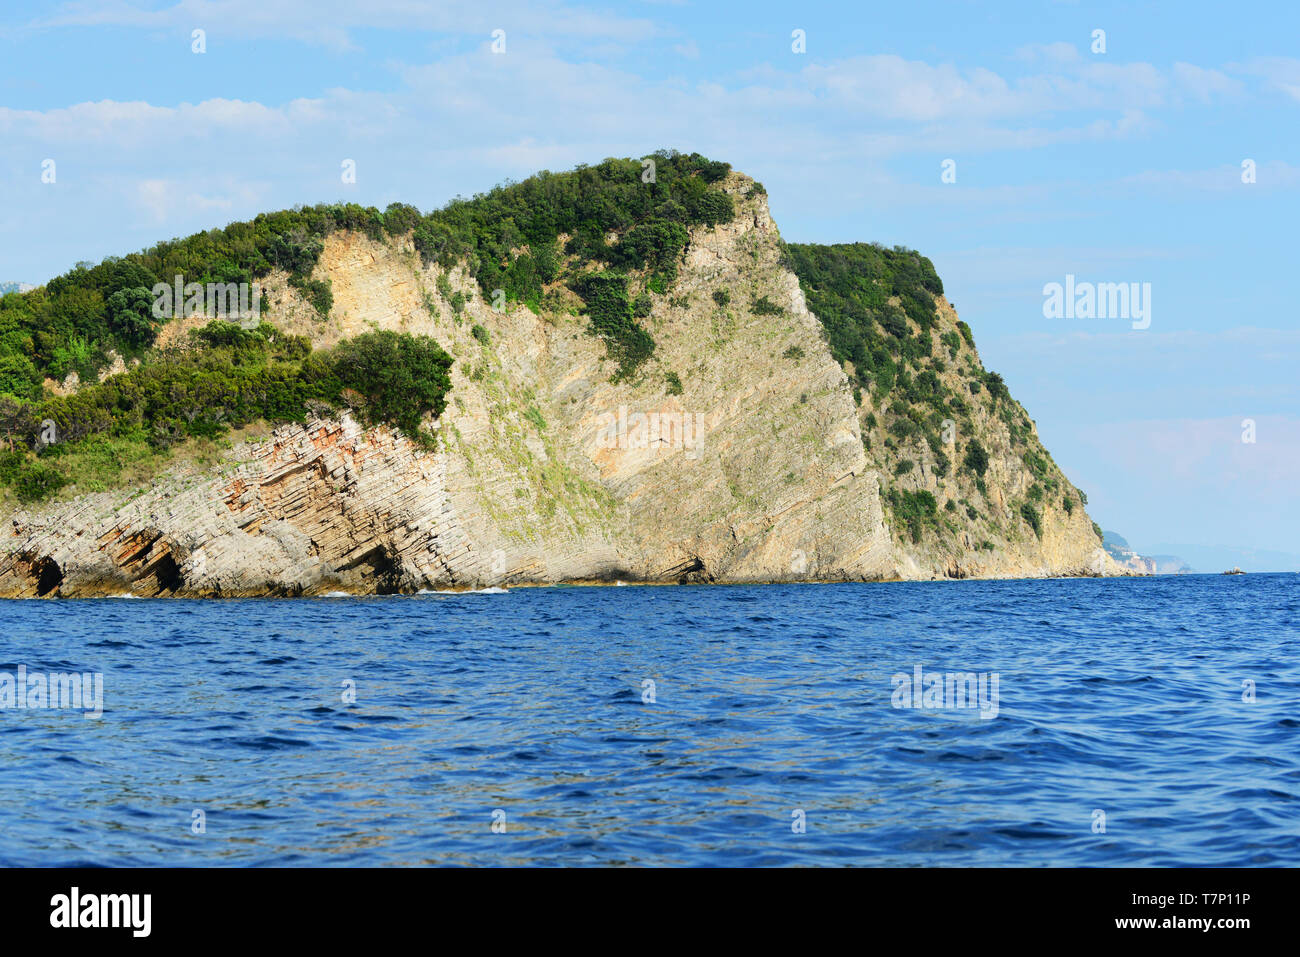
328, 504
545, 471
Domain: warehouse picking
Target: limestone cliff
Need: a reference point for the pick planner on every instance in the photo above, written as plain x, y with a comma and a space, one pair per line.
738, 453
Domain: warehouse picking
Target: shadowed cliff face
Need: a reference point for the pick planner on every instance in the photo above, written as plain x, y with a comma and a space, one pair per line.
736, 453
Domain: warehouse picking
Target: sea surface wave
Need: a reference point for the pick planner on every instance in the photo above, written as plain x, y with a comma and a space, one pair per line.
1123, 735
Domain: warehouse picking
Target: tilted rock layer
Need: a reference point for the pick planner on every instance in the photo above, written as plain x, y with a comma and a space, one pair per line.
753, 469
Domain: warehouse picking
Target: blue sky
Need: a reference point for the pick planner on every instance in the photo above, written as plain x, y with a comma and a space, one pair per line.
1122, 166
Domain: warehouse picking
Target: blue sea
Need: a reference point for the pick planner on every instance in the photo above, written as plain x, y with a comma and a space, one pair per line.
1137, 722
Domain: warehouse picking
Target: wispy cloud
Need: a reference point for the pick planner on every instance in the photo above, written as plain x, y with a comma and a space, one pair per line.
1279, 73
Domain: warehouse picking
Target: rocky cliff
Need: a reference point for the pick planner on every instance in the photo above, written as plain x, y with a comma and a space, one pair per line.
740, 452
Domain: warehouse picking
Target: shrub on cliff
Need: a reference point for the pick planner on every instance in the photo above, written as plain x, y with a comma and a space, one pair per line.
402, 377
655, 244
976, 459
613, 319
941, 462
1032, 516
914, 510
997, 388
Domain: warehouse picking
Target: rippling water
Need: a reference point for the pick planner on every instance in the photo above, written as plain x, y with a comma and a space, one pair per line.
1120, 696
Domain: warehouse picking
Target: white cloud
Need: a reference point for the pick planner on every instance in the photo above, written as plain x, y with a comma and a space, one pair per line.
1279, 73
1205, 84
166, 200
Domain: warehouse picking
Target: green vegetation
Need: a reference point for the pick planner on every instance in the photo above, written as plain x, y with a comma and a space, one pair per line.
976, 460
1036, 464
228, 378
611, 318
491, 229
915, 510
674, 383
997, 388
878, 307
31, 480
850, 288
73, 322
534, 415
1031, 515
401, 377
722, 296
941, 463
